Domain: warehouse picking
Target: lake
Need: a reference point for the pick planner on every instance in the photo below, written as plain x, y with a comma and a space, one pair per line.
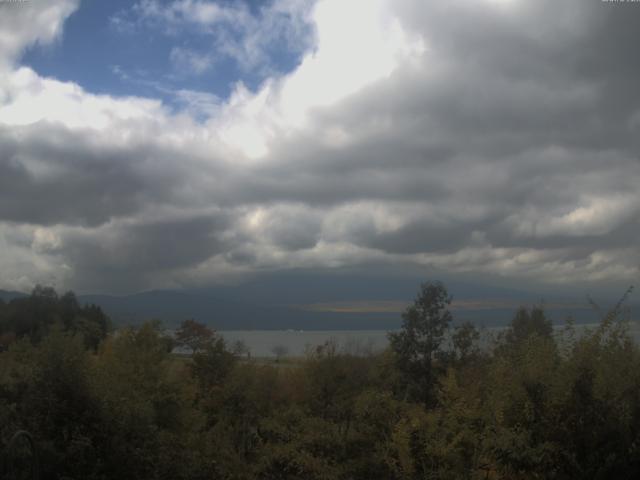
262, 342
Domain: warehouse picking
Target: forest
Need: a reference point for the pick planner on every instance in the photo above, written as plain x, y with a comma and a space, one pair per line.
441, 402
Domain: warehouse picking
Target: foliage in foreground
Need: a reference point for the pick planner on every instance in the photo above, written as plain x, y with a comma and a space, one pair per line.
533, 404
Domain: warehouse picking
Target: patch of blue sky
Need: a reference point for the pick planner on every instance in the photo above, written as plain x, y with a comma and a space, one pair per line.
107, 47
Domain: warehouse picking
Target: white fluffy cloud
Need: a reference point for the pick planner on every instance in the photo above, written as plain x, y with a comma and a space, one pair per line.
25, 23
481, 137
359, 43
29, 98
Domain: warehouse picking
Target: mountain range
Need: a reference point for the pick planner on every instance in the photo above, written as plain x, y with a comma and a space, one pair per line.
339, 302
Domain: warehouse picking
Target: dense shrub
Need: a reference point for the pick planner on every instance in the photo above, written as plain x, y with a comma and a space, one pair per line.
535, 404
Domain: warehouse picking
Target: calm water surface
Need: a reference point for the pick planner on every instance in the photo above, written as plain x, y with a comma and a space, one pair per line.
262, 343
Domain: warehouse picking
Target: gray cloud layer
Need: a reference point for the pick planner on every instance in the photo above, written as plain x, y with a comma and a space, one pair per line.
510, 146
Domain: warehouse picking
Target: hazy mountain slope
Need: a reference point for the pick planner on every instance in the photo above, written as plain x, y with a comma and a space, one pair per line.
305, 301
300, 301
8, 295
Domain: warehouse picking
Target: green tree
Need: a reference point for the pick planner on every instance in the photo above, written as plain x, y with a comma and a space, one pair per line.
212, 363
465, 341
527, 322
280, 351
194, 335
417, 344
145, 398
46, 390
34, 316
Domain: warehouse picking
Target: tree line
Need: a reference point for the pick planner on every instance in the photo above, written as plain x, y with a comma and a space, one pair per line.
532, 403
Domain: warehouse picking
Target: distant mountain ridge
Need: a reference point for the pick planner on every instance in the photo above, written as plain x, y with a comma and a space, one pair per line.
7, 295
229, 314
341, 302
286, 301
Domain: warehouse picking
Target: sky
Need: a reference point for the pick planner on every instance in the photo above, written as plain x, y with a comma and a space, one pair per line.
183, 143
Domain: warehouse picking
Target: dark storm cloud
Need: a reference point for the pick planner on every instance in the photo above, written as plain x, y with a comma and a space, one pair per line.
132, 253
313, 182
517, 131
294, 232
50, 174
420, 237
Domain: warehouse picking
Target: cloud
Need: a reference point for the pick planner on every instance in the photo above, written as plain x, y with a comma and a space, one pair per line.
477, 137
142, 251
290, 227
26, 23
50, 174
198, 104
343, 63
28, 98
189, 61
250, 38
